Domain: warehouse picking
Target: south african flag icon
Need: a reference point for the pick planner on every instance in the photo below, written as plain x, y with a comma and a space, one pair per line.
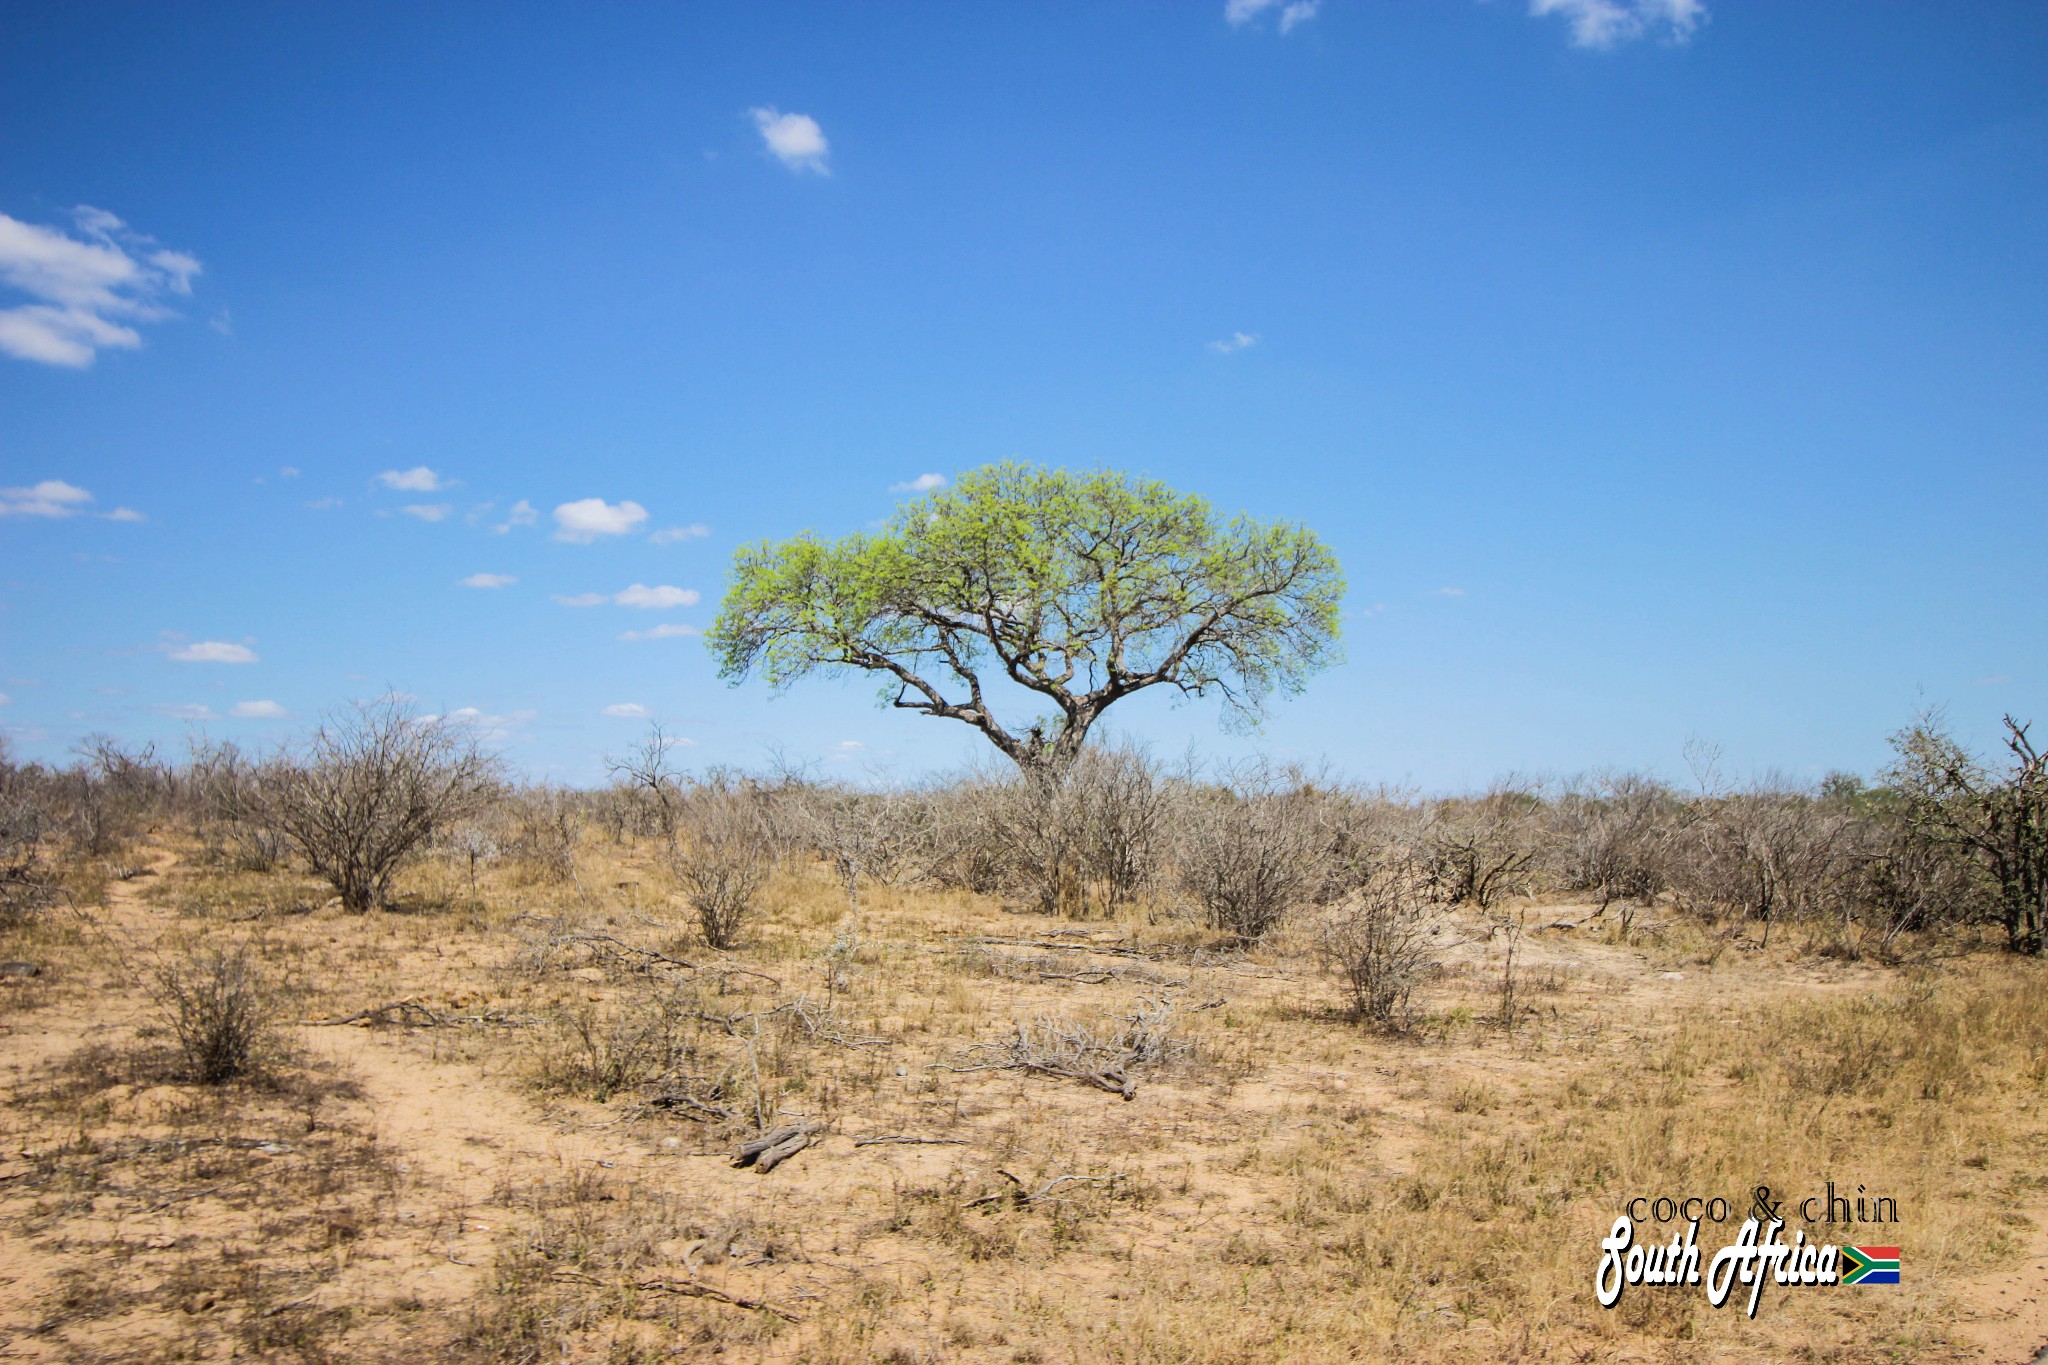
1870, 1265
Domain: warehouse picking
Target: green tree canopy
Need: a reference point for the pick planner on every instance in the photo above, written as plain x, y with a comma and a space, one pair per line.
1080, 587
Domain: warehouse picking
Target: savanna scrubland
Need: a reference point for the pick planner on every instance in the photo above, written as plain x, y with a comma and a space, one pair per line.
364, 1049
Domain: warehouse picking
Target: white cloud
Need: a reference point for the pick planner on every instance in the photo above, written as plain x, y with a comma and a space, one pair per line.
85, 290
795, 140
522, 513
628, 710
427, 511
638, 595
696, 530
923, 483
258, 710
1236, 341
192, 711
485, 725
1292, 12
656, 599
288, 472
323, 504
1609, 23
849, 745
5, 699
214, 652
489, 580
1450, 592
585, 520
667, 632
418, 479
56, 499
50, 498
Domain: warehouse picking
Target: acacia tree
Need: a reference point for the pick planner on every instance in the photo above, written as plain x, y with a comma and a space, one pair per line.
1081, 588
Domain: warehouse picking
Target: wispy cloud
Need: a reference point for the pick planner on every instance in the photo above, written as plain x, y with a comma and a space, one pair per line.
795, 140
418, 479
489, 580
521, 513
1449, 592
696, 530
212, 652
1291, 12
484, 724
187, 711
923, 483
427, 511
1602, 24
588, 519
1235, 342
658, 598
628, 710
666, 632
87, 290
323, 504
258, 710
56, 499
1994, 680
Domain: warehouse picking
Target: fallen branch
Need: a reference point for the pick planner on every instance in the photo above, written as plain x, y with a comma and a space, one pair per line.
403, 1008
882, 1139
1058, 1047
777, 1145
690, 1107
1023, 1195
688, 1289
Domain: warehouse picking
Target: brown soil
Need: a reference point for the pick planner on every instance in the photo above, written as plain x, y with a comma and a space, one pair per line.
449, 1185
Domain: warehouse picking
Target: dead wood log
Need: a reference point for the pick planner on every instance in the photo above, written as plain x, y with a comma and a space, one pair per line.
769, 1150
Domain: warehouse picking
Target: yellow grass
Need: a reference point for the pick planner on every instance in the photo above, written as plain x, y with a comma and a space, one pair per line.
1284, 1187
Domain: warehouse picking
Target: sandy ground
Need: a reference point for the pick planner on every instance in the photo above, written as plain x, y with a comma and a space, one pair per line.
463, 1151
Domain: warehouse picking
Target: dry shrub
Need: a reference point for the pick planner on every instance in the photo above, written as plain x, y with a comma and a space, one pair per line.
373, 785
1610, 837
1769, 853
964, 848
601, 1053
1087, 839
1380, 940
723, 858
25, 880
1121, 808
223, 1010
1996, 822
1246, 853
224, 790
864, 836
543, 824
1480, 849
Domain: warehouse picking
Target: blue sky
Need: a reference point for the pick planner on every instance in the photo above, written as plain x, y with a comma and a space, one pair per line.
1657, 368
